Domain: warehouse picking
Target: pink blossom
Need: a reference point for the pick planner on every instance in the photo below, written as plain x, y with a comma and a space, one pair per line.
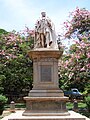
21, 41
82, 44
88, 65
88, 54
2, 52
72, 55
79, 47
76, 41
82, 69
14, 56
77, 56
65, 65
31, 32
66, 24
67, 62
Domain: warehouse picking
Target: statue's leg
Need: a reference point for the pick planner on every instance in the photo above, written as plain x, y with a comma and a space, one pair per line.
42, 39
47, 38
41, 45
45, 44
50, 39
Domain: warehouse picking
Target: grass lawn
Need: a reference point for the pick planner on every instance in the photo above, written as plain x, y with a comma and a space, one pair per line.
82, 108
80, 105
17, 106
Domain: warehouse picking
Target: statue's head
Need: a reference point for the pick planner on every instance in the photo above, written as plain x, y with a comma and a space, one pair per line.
43, 14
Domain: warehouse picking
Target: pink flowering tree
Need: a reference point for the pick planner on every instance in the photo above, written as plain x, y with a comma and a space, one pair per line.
15, 66
79, 24
11, 42
75, 66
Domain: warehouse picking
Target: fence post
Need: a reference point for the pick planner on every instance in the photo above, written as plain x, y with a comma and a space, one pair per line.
75, 105
12, 106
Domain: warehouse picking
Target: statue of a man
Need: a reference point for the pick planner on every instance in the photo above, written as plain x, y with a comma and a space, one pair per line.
44, 33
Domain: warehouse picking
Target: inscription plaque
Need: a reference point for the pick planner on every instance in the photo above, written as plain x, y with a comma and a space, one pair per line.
45, 73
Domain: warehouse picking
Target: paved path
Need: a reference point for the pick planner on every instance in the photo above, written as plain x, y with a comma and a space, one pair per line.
18, 116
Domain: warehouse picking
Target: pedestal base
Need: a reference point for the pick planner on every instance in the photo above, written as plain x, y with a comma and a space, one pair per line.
18, 116
45, 106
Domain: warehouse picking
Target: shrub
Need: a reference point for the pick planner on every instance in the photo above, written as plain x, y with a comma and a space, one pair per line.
87, 100
3, 100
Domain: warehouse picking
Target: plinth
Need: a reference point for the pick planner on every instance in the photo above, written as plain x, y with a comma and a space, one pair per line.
45, 101
45, 98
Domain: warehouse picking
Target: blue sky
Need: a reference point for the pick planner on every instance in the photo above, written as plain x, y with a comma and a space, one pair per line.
16, 14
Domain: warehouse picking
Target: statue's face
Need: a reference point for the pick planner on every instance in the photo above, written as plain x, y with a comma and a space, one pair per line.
43, 14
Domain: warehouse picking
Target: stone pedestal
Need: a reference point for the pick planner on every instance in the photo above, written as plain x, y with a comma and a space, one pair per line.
45, 73
45, 101
45, 98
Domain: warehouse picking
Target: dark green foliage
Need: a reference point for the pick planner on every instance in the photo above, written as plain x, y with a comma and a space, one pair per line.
87, 100
3, 101
15, 66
